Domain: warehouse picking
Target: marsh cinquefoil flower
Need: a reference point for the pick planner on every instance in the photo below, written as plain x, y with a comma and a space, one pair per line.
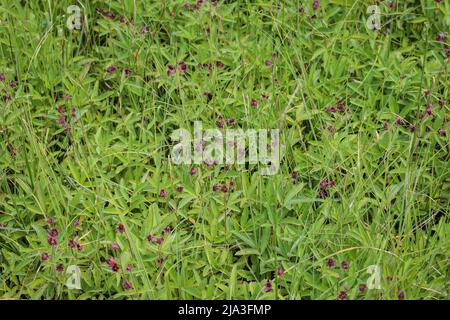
120, 228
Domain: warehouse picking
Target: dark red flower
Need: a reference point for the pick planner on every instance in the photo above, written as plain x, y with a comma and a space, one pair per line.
50, 221
230, 121
44, 256
163, 193
111, 69
401, 295
385, 126
2, 77
76, 222
398, 121
115, 246
315, 4
412, 128
265, 95
167, 230
120, 228
268, 62
362, 288
441, 132
224, 189
217, 187
192, 171
150, 238
159, 260
61, 109
110, 261
254, 103
127, 285
53, 232
294, 175
342, 295
61, 120
170, 70
60, 268
127, 72
344, 265
144, 30
331, 262
441, 37
182, 66
280, 271
267, 286
159, 240
72, 243
331, 110
129, 267
180, 189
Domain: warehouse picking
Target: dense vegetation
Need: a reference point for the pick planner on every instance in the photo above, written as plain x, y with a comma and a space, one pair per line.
86, 178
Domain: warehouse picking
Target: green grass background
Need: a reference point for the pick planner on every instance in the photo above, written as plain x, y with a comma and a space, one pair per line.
390, 203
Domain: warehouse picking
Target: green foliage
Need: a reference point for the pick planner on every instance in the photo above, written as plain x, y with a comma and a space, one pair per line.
389, 205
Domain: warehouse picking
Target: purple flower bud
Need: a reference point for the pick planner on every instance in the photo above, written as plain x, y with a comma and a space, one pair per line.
111, 69
280, 271
362, 288
192, 171
72, 243
316, 4
61, 120
401, 295
127, 285
127, 72
441, 37
60, 268
150, 238
344, 265
2, 77
180, 189
294, 175
120, 228
53, 232
115, 246
267, 286
44, 256
167, 230
163, 193
170, 70
342, 295
254, 103
268, 62
331, 262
